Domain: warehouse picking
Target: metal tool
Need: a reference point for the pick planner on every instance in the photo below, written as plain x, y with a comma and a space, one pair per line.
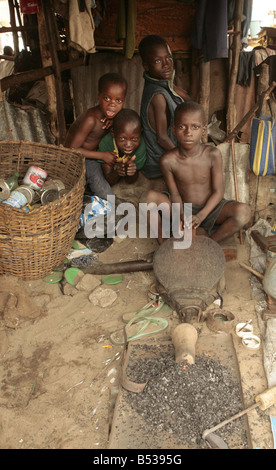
264, 401
215, 442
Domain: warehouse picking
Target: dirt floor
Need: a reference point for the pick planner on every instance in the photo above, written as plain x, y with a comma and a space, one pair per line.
60, 371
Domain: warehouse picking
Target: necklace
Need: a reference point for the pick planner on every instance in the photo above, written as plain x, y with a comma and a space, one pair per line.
119, 159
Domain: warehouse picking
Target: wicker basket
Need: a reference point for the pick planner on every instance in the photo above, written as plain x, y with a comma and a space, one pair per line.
33, 243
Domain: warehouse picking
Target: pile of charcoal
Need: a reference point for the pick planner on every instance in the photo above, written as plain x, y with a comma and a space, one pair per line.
184, 400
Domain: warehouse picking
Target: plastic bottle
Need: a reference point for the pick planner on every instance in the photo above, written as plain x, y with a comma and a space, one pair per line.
12, 181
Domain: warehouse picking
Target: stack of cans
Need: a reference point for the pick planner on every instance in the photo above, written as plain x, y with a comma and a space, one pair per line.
21, 196
35, 190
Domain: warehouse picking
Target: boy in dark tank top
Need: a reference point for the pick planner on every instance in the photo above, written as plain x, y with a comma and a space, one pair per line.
159, 100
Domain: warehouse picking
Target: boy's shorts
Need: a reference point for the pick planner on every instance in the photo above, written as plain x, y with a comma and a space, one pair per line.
209, 224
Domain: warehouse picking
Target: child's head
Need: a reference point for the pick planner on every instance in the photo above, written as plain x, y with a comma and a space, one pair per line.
8, 50
156, 57
112, 89
189, 120
126, 130
190, 107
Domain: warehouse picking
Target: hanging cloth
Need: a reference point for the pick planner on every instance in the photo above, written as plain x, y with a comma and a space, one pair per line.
126, 24
210, 29
247, 7
246, 67
81, 26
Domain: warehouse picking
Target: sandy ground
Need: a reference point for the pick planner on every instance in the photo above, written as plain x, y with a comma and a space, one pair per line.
59, 369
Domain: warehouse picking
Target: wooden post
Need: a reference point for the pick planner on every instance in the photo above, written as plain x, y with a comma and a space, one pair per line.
235, 179
47, 62
36, 74
232, 88
234, 65
204, 92
23, 33
230, 35
13, 24
51, 30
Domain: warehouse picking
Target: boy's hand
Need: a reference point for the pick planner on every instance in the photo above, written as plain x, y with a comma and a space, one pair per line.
121, 168
126, 169
131, 166
185, 222
109, 157
107, 123
196, 221
191, 222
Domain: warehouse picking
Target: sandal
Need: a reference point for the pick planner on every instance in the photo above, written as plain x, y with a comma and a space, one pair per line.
141, 328
148, 310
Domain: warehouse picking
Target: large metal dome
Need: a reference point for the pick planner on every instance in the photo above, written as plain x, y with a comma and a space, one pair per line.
187, 276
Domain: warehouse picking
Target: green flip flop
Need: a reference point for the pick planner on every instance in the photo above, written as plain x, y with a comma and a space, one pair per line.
148, 310
70, 274
112, 279
143, 324
53, 277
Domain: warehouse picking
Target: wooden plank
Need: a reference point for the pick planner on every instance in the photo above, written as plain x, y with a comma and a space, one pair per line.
11, 29
204, 91
23, 33
235, 65
263, 242
46, 62
51, 31
13, 24
38, 74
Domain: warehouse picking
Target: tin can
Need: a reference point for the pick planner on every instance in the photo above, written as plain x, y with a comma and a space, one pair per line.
49, 184
28, 192
49, 195
16, 199
4, 190
59, 184
35, 177
53, 184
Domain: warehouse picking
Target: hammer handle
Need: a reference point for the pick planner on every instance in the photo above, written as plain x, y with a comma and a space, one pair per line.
226, 421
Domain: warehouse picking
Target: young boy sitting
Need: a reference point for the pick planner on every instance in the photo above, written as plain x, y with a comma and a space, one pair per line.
126, 141
159, 100
90, 127
193, 174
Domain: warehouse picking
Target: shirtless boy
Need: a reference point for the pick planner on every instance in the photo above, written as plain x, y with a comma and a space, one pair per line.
90, 127
159, 100
193, 174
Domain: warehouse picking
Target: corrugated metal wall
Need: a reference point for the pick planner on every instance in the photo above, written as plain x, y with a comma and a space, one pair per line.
85, 79
17, 123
